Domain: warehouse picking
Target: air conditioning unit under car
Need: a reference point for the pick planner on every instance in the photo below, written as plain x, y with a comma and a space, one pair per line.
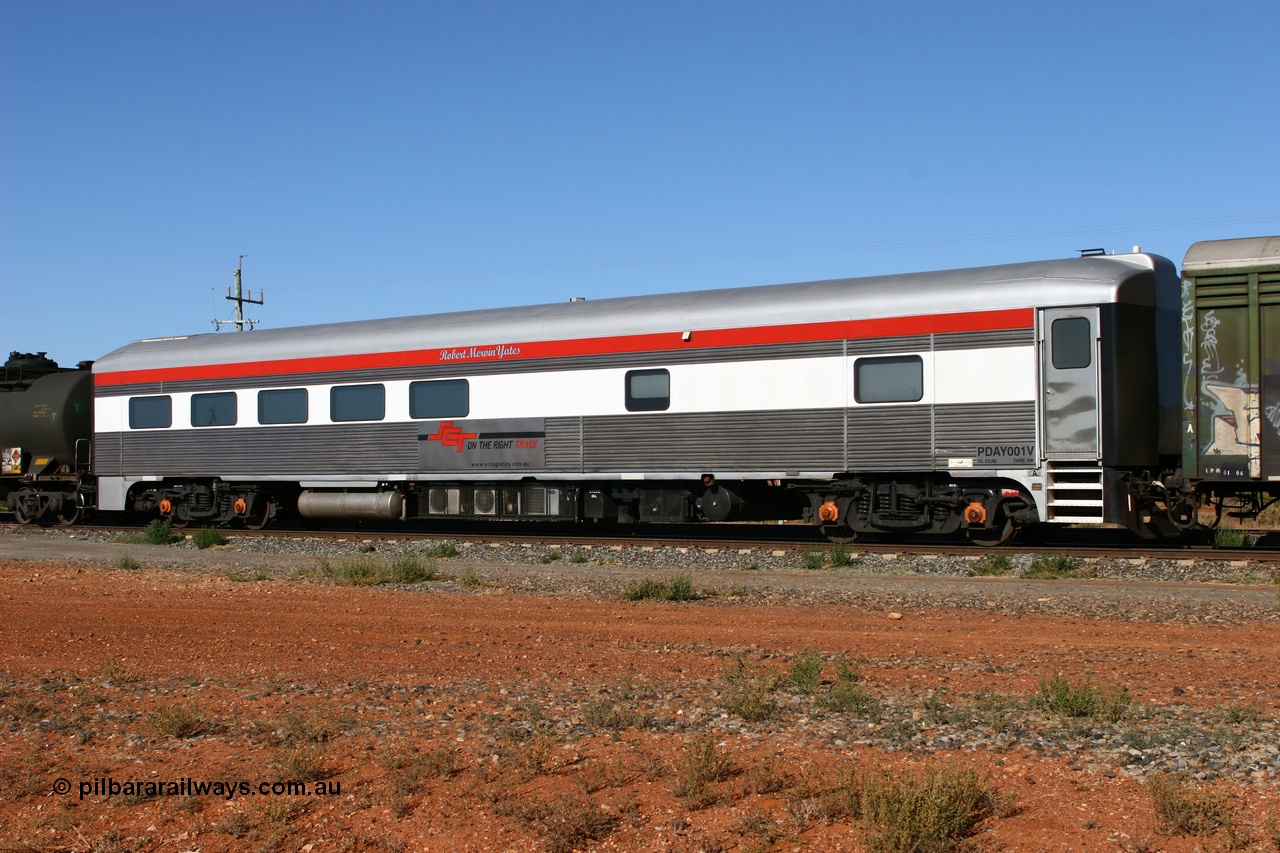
445, 501
485, 501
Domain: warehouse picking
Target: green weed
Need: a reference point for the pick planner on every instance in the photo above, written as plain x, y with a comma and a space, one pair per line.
1073, 699
1230, 537
848, 694
992, 566
443, 549
160, 532
806, 672
364, 571
1053, 566
747, 692
840, 558
677, 588
208, 537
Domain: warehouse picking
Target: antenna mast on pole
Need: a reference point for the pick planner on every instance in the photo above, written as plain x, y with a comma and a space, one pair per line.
239, 299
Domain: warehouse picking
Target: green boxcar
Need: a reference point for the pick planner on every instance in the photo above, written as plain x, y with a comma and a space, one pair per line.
1231, 361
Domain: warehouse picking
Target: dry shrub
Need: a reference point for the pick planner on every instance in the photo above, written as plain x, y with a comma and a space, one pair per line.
1188, 808
701, 766
569, 822
747, 692
177, 721
931, 813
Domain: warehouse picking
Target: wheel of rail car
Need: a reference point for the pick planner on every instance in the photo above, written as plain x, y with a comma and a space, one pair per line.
20, 515
839, 534
996, 536
260, 515
69, 514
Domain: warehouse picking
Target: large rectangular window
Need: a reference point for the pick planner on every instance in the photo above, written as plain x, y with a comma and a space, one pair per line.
889, 379
648, 390
443, 398
357, 403
213, 409
282, 406
151, 412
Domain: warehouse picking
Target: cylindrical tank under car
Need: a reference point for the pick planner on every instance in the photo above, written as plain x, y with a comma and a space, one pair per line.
355, 505
45, 416
718, 503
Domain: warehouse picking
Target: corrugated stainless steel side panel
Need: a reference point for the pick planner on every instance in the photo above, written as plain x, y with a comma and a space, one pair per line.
888, 346
815, 349
107, 448
564, 444
364, 449
890, 438
961, 429
786, 440
977, 340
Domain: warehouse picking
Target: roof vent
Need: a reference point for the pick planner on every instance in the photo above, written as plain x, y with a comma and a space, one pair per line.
1090, 253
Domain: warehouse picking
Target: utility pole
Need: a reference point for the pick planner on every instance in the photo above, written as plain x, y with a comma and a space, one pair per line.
239, 299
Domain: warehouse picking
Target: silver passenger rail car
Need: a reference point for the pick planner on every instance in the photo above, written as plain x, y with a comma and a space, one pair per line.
983, 400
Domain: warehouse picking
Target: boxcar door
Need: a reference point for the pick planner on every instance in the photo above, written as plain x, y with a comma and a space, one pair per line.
1069, 386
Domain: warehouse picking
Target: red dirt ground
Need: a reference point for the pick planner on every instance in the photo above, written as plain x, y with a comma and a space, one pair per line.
458, 720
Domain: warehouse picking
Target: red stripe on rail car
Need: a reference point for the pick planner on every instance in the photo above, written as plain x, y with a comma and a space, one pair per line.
976, 321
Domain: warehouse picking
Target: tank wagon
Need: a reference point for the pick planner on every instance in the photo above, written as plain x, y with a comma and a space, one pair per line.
46, 425
1102, 388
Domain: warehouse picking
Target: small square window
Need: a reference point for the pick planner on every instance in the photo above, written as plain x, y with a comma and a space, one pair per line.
357, 403
891, 379
282, 406
648, 390
444, 398
213, 409
151, 412
1072, 343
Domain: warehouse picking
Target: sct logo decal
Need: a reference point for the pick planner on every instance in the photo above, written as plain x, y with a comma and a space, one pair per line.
451, 436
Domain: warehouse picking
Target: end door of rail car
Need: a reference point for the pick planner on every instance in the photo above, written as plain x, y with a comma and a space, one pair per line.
1069, 348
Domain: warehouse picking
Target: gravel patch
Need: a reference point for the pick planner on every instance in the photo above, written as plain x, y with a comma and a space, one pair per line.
1214, 592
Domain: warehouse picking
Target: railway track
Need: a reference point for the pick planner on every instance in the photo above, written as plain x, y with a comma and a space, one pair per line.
1076, 542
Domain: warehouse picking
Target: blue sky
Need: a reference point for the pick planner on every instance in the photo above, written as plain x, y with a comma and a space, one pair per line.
380, 159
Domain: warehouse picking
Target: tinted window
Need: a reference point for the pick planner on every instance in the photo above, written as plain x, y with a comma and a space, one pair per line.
282, 406
648, 390
1072, 343
446, 398
357, 403
213, 409
892, 379
151, 412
